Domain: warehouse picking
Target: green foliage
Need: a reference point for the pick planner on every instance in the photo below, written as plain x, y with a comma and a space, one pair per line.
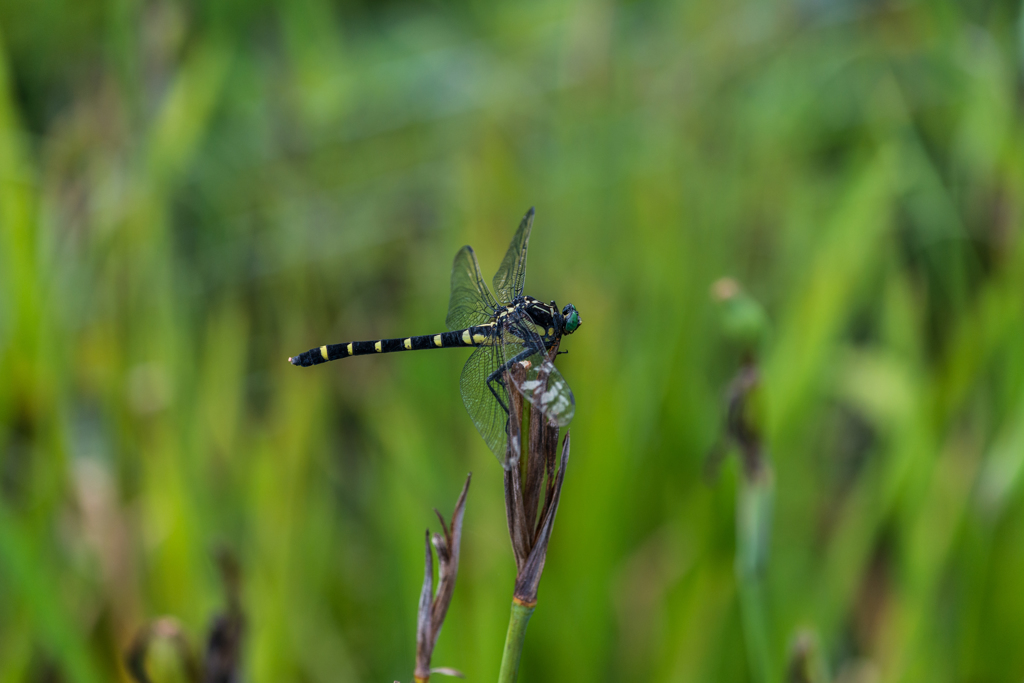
190, 193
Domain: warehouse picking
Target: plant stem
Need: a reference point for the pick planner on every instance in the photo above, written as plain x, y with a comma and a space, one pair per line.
753, 517
755, 631
514, 642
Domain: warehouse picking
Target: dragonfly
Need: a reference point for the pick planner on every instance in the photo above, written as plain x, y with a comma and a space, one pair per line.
506, 328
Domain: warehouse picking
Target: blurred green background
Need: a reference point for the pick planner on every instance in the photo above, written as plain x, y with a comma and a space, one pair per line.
192, 192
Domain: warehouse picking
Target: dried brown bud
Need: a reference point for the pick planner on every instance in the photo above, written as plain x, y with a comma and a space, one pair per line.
531, 518
434, 606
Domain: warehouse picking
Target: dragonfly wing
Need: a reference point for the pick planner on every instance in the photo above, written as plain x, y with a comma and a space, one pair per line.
484, 407
471, 303
511, 276
546, 389
543, 385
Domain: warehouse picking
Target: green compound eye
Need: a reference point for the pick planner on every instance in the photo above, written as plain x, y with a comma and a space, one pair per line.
571, 319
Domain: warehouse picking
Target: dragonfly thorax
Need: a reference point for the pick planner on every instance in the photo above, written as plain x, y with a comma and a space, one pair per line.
544, 316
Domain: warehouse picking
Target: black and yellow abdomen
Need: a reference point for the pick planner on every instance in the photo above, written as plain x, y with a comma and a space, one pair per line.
473, 336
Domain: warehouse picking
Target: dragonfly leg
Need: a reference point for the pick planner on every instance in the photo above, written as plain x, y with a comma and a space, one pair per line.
498, 376
501, 402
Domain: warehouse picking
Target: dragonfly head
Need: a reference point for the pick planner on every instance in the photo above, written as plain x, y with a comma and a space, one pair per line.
570, 319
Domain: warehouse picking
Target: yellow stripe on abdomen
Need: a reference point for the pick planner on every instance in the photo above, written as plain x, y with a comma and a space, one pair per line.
376, 347
323, 352
407, 344
466, 339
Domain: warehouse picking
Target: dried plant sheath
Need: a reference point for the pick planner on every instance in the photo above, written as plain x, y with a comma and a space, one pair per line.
424, 639
433, 606
539, 432
528, 578
515, 505
534, 476
549, 446
516, 511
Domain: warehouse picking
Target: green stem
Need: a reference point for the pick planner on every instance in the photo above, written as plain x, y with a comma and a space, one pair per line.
755, 630
514, 642
753, 516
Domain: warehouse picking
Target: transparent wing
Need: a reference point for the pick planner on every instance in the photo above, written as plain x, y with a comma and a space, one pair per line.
547, 390
484, 407
511, 276
471, 303
543, 385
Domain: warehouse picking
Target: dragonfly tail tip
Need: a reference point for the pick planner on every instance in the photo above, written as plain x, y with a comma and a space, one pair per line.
302, 360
